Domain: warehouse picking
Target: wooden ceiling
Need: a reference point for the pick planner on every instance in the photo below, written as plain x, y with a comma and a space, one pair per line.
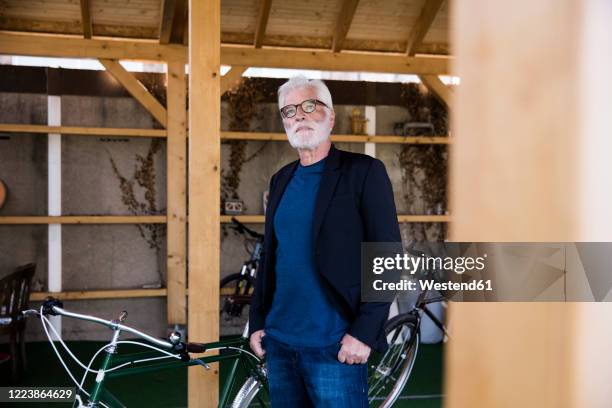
398, 26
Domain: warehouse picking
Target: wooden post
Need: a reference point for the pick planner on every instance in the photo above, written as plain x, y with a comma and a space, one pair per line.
176, 187
204, 190
527, 73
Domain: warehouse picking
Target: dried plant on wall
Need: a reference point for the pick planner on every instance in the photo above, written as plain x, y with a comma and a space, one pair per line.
424, 167
144, 177
243, 101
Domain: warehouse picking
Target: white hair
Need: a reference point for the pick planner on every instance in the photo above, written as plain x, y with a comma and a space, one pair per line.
301, 81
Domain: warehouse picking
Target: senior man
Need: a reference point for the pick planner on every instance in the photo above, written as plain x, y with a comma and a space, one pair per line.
306, 315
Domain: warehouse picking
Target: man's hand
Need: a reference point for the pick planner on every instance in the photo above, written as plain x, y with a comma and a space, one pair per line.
352, 351
255, 343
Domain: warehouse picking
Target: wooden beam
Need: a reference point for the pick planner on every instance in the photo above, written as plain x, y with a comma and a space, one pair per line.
423, 218
70, 47
422, 25
330, 61
168, 8
282, 137
83, 219
99, 294
86, 18
396, 45
176, 175
82, 131
232, 78
136, 89
343, 23
204, 191
225, 135
438, 88
258, 219
262, 22
75, 47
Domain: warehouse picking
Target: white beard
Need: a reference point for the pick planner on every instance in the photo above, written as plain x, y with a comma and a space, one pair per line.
308, 139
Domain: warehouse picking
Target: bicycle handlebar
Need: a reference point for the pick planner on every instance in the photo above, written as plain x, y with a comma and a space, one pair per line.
55, 308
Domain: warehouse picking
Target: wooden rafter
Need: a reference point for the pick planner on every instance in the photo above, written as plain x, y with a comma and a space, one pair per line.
262, 22
180, 29
343, 23
232, 78
439, 89
420, 29
86, 18
168, 8
136, 89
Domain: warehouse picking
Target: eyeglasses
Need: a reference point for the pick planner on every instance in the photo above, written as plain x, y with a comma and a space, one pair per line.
308, 106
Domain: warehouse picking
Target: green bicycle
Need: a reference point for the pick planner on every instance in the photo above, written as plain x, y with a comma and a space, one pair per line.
171, 353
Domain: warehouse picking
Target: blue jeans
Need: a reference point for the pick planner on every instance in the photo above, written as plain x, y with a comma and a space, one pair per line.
313, 377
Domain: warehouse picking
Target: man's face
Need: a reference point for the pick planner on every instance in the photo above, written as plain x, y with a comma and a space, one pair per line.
307, 130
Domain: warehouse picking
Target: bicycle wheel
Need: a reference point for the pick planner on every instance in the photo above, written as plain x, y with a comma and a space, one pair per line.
236, 291
389, 373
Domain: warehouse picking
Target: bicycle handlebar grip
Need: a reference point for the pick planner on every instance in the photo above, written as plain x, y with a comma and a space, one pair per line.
195, 347
49, 304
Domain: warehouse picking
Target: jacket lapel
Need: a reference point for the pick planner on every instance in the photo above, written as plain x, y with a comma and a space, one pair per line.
331, 174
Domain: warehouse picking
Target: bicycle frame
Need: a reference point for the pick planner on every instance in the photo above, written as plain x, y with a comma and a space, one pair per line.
111, 359
109, 368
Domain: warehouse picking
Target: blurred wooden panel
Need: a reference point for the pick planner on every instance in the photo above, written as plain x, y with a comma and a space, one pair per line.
239, 16
144, 13
389, 20
315, 18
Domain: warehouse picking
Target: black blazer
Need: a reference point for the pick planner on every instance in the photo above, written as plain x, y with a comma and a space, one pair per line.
354, 204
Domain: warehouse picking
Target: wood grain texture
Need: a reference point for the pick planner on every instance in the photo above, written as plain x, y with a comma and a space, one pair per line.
176, 174
204, 191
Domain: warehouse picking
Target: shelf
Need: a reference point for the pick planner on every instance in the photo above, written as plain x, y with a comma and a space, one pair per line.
100, 294
161, 219
281, 137
262, 136
109, 294
82, 219
83, 131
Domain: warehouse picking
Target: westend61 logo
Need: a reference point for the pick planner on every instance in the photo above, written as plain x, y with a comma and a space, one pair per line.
412, 264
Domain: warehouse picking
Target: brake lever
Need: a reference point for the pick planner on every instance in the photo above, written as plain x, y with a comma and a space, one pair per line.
200, 362
30, 312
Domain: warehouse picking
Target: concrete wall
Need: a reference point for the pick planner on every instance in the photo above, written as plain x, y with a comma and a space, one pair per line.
116, 256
